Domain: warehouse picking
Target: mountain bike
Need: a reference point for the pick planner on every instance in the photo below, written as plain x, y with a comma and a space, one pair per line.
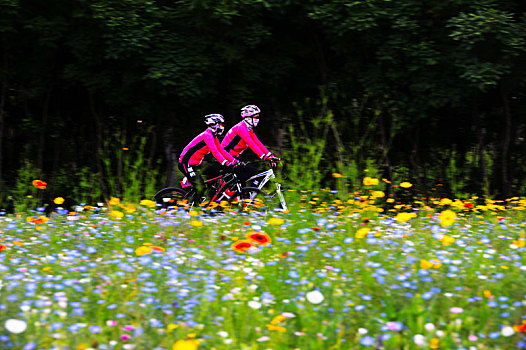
274, 198
226, 190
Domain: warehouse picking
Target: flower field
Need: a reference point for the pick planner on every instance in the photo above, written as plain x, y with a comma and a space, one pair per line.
347, 273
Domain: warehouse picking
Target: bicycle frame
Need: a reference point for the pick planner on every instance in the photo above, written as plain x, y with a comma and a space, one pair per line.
220, 194
267, 176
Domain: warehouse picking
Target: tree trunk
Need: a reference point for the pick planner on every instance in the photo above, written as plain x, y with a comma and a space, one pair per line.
98, 146
171, 158
43, 132
415, 161
385, 151
320, 58
3, 93
506, 185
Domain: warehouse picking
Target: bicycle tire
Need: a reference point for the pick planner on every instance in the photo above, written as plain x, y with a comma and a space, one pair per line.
172, 197
250, 199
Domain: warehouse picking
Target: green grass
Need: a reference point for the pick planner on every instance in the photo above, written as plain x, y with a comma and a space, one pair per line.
78, 283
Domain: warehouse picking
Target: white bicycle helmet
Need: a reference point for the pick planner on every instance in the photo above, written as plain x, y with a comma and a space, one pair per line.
216, 123
251, 114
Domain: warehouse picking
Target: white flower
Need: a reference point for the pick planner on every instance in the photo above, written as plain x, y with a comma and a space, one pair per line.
362, 331
15, 326
419, 340
456, 310
222, 334
254, 304
315, 297
429, 327
507, 331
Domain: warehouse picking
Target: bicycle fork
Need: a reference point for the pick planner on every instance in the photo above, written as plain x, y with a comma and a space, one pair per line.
281, 197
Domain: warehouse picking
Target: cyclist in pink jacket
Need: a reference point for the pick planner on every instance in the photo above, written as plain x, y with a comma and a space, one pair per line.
241, 136
206, 142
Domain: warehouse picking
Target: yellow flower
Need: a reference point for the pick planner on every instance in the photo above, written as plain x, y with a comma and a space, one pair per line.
406, 184
433, 343
424, 264
116, 214
447, 240
58, 200
172, 326
278, 319
281, 329
148, 203
519, 243
447, 217
404, 217
390, 200
188, 344
369, 181
445, 201
361, 233
143, 250
196, 223
276, 221
336, 175
378, 194
114, 201
129, 209
192, 213
487, 293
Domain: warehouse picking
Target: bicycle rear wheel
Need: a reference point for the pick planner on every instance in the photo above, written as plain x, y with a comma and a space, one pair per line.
172, 197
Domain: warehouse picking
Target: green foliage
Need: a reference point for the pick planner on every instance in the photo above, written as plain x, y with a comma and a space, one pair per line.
25, 195
130, 175
307, 148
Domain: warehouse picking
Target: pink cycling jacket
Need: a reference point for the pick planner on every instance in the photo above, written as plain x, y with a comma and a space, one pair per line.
239, 138
200, 146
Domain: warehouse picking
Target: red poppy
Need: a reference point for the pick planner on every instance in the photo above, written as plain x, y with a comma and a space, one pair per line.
247, 223
2, 247
521, 328
259, 237
316, 228
241, 246
468, 205
39, 184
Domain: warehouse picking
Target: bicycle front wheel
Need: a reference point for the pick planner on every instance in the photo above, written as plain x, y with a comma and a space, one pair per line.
172, 197
250, 199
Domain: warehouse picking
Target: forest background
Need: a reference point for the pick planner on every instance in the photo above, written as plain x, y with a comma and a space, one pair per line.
98, 97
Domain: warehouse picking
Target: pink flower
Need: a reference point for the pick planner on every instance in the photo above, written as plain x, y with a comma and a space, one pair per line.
125, 337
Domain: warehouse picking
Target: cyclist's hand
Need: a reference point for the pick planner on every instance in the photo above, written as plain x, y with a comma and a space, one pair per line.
273, 161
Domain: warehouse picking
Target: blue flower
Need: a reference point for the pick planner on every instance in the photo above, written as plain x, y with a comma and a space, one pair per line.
293, 274
95, 329
367, 341
30, 346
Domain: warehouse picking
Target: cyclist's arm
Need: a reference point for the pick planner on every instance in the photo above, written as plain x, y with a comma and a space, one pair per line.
264, 149
245, 135
225, 154
212, 146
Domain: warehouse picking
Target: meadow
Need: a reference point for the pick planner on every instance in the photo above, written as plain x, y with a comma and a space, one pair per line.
335, 272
